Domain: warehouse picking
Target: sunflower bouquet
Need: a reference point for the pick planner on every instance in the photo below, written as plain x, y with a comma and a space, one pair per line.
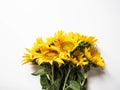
64, 60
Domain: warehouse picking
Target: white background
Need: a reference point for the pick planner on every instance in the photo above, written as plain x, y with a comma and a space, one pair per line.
22, 21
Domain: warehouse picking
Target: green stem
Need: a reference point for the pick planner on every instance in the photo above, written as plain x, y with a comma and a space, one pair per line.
52, 74
66, 78
85, 77
84, 82
66, 87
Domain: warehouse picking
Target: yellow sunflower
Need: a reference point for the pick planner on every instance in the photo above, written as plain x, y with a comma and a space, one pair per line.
28, 57
93, 55
80, 59
59, 35
49, 55
36, 47
69, 43
57, 39
90, 39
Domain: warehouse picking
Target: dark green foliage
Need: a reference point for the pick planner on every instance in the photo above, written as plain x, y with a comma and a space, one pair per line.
44, 82
76, 80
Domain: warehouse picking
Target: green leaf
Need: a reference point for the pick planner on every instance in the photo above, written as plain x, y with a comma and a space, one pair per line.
73, 74
74, 85
44, 81
55, 86
79, 77
52, 87
57, 83
41, 71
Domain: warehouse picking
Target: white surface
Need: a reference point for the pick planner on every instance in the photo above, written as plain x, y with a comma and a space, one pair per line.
21, 21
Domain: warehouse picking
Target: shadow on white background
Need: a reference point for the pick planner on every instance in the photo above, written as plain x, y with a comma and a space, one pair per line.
22, 21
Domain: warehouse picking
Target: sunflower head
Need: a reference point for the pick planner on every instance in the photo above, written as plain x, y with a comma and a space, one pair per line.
49, 55
88, 39
69, 43
94, 56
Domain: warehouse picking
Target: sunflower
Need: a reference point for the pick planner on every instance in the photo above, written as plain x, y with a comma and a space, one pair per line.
59, 35
94, 56
49, 55
57, 39
80, 60
69, 43
27, 58
30, 56
36, 47
89, 39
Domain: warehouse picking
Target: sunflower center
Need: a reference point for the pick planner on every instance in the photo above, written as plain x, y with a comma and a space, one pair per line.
66, 46
51, 55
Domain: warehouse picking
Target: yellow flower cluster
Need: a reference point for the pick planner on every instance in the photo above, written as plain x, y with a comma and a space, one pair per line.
71, 47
